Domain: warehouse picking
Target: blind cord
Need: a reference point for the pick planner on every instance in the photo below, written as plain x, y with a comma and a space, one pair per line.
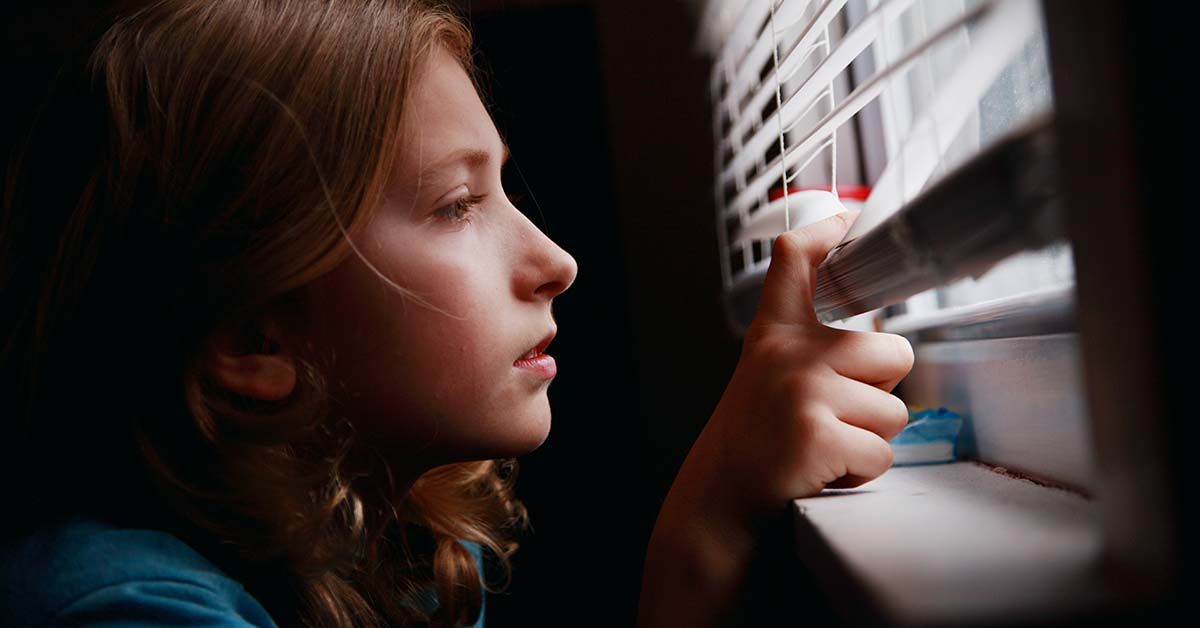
783, 181
833, 135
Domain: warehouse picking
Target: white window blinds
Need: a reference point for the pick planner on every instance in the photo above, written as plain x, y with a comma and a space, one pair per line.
816, 107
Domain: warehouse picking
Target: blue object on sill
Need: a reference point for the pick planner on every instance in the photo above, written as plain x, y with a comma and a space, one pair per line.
930, 437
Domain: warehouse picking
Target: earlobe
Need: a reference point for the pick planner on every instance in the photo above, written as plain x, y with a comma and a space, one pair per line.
255, 370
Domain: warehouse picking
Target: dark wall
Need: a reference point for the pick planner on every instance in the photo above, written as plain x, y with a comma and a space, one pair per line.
541, 70
605, 107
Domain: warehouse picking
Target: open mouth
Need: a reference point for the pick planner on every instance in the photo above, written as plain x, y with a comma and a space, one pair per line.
539, 349
538, 363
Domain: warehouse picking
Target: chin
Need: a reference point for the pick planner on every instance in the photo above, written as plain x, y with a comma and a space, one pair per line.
529, 434
519, 434
506, 434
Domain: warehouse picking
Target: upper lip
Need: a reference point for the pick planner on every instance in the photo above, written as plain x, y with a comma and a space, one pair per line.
541, 346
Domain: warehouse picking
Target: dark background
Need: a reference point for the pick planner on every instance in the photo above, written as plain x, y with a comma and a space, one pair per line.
605, 107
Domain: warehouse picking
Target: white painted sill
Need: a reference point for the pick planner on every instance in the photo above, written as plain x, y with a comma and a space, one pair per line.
952, 544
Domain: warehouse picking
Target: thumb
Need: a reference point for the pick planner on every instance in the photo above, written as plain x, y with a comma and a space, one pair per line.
787, 293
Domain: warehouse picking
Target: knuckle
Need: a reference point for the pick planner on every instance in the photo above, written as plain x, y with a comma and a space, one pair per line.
765, 344
797, 392
757, 333
819, 435
780, 344
754, 336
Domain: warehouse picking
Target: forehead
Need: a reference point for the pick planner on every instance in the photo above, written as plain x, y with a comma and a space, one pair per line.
444, 115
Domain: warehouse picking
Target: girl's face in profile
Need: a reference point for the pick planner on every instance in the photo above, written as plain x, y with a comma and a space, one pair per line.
437, 387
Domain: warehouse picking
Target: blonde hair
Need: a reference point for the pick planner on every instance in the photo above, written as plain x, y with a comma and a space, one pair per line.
221, 153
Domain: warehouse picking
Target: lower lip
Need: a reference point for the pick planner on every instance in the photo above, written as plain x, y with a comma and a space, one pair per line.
542, 365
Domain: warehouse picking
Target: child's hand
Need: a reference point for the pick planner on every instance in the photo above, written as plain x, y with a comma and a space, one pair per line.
808, 407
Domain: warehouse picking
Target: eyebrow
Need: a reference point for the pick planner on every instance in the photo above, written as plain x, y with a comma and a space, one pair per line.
473, 157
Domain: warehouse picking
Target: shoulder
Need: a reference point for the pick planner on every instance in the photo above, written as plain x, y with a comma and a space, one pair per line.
477, 552
85, 572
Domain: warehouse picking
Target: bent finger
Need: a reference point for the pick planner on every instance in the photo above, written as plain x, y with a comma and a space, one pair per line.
867, 407
866, 456
875, 358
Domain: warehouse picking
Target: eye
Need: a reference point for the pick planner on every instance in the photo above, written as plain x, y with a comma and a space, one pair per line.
459, 210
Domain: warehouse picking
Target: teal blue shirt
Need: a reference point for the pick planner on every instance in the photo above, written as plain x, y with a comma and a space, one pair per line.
88, 573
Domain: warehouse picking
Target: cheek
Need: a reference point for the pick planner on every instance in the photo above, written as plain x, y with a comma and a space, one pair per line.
404, 371
458, 345
433, 382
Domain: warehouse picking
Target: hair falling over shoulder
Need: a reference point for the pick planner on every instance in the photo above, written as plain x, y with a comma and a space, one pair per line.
203, 160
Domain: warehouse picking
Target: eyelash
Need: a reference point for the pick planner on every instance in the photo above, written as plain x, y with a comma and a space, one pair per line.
460, 210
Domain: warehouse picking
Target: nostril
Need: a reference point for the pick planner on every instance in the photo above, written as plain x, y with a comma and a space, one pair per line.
551, 288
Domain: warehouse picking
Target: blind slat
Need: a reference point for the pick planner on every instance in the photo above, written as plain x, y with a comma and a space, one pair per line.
746, 67
996, 42
1012, 191
799, 103
742, 37
747, 73
768, 221
851, 105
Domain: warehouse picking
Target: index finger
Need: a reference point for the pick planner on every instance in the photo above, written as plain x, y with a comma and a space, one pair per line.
787, 292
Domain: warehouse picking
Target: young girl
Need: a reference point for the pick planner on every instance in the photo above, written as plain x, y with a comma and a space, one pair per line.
271, 332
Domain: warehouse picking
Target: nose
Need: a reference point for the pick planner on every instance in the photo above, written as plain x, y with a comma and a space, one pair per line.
546, 270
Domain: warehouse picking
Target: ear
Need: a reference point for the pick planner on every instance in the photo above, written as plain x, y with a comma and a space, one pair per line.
250, 361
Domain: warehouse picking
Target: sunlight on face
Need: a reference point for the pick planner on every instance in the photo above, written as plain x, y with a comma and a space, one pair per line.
437, 387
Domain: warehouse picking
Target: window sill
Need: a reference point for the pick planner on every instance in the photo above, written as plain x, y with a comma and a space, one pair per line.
953, 543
